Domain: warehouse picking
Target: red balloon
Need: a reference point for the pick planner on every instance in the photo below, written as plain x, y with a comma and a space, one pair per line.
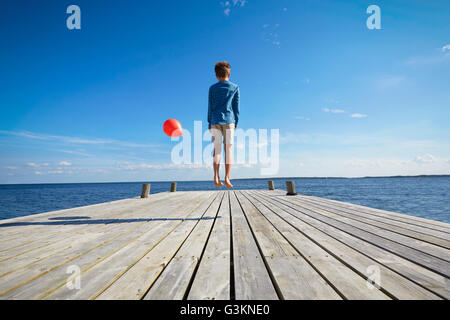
173, 128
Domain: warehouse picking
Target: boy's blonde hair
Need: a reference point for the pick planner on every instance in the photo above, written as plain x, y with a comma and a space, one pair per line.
222, 69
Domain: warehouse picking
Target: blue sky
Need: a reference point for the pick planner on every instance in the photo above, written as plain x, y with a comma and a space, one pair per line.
88, 105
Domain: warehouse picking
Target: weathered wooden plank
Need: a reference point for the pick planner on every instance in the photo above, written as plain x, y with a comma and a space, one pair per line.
81, 227
349, 284
97, 278
295, 277
251, 278
435, 256
420, 275
405, 237
410, 219
135, 282
55, 246
406, 223
428, 223
398, 286
77, 211
30, 282
419, 257
173, 283
43, 226
53, 273
282, 247
212, 279
431, 236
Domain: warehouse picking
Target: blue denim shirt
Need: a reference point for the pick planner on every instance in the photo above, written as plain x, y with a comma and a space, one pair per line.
223, 103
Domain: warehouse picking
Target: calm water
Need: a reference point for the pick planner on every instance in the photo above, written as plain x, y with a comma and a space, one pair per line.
427, 197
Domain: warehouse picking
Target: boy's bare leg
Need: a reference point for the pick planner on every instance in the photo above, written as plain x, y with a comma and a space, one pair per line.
228, 162
216, 164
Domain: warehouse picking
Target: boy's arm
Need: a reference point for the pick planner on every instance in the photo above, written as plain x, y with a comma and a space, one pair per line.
209, 109
235, 105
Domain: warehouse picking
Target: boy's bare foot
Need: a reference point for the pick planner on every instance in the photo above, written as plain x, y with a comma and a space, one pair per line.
217, 182
228, 183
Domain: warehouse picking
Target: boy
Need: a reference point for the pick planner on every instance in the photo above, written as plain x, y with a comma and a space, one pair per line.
223, 116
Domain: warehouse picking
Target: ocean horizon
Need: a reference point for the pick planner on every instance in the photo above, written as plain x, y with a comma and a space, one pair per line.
424, 196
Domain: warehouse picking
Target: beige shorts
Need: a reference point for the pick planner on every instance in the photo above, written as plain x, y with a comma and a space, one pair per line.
218, 131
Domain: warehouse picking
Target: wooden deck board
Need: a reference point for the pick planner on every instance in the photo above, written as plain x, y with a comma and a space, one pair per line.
136, 281
432, 237
53, 272
99, 277
51, 242
251, 278
175, 279
367, 233
413, 271
398, 286
347, 282
250, 244
30, 223
403, 237
398, 226
21, 258
410, 219
213, 278
295, 277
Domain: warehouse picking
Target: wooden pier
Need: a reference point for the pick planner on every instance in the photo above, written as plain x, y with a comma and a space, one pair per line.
247, 244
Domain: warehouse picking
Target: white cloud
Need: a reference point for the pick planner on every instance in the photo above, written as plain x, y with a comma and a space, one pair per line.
234, 3
55, 172
431, 60
239, 3
293, 138
65, 163
75, 152
348, 166
37, 172
439, 56
32, 164
333, 110
77, 140
302, 118
358, 115
270, 34
145, 166
426, 158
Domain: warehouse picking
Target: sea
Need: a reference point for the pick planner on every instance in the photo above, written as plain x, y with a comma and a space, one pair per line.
421, 196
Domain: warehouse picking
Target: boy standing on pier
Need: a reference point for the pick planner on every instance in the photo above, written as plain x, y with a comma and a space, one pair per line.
223, 116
